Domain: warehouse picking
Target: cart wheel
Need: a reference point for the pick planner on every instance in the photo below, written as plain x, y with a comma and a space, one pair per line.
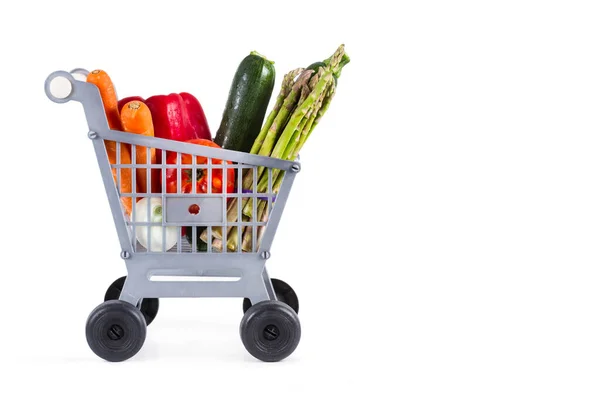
283, 291
149, 307
115, 330
270, 330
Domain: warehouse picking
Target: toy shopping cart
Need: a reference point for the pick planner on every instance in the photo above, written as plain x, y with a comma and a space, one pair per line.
179, 242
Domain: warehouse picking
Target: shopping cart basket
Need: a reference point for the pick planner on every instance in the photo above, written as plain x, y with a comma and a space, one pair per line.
211, 259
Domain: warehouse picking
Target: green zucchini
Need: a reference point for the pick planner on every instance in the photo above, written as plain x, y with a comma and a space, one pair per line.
315, 67
249, 97
201, 247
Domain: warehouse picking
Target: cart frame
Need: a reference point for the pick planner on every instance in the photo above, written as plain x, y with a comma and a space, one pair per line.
156, 275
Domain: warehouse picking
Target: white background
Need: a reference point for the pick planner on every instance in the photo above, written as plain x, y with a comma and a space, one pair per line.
442, 236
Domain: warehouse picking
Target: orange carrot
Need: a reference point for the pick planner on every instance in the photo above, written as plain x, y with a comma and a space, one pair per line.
109, 99
125, 179
109, 96
136, 118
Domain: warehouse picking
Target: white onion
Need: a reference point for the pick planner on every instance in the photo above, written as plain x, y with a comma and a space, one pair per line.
156, 232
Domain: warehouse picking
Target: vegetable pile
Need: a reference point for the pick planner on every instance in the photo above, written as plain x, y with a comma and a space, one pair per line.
304, 97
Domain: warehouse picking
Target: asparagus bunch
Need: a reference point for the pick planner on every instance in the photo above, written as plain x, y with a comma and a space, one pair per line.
310, 121
302, 121
304, 98
300, 125
281, 101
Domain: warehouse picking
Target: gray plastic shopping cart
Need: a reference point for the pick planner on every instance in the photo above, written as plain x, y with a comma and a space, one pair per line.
161, 260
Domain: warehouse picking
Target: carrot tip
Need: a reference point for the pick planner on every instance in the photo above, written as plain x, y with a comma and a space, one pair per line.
134, 105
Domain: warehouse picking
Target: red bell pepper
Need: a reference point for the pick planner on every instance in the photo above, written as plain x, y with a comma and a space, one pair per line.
196, 120
178, 117
201, 179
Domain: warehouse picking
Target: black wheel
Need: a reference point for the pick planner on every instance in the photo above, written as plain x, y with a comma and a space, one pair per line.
115, 330
270, 330
149, 307
283, 291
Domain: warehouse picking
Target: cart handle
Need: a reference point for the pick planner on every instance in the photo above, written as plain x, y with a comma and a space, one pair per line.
60, 86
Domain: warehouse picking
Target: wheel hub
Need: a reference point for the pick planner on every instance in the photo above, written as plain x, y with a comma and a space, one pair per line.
115, 332
271, 332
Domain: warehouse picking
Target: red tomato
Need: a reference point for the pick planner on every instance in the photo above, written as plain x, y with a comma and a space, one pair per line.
201, 179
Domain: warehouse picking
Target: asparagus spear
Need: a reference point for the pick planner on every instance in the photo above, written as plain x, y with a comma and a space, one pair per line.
276, 126
286, 87
306, 121
320, 113
263, 217
247, 237
310, 116
299, 114
338, 60
298, 131
345, 60
315, 79
232, 211
217, 244
304, 128
260, 232
304, 93
278, 182
234, 235
247, 203
282, 117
